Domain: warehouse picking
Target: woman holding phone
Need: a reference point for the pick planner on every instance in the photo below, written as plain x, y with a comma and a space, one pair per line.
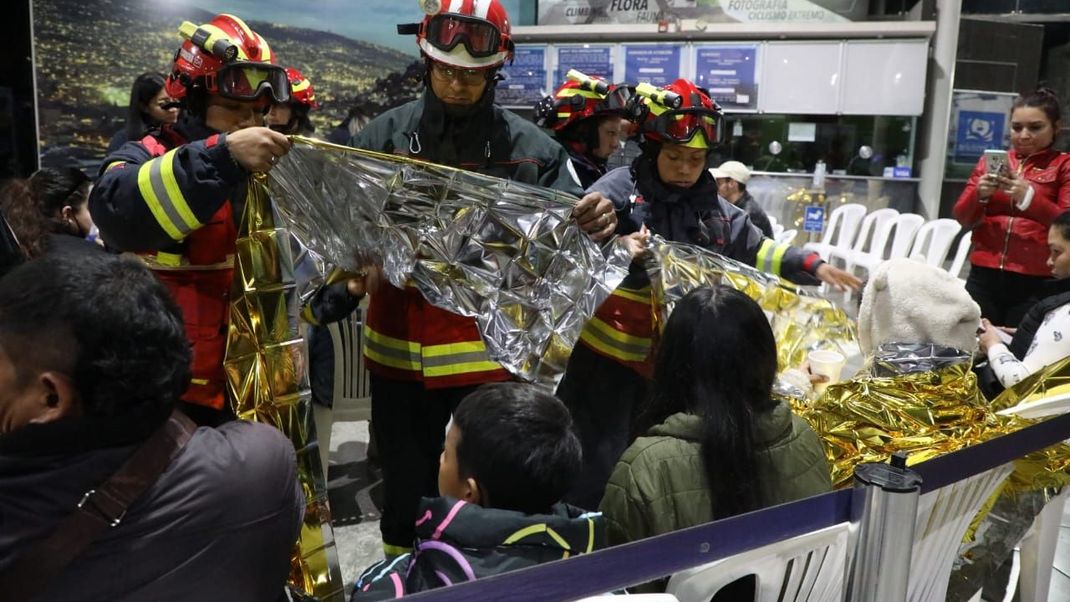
1010, 208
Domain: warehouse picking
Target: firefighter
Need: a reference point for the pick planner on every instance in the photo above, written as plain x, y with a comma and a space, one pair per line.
423, 360
586, 115
291, 117
668, 191
174, 197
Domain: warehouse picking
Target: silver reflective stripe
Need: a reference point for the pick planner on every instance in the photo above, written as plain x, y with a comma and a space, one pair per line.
166, 202
455, 358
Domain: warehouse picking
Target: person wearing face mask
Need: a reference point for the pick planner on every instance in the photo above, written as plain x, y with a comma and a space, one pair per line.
291, 117
422, 359
668, 191
1010, 211
174, 197
49, 212
585, 115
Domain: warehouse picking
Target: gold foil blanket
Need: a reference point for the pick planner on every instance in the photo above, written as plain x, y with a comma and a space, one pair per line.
267, 378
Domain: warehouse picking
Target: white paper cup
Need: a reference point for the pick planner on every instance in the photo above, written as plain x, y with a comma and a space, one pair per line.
827, 363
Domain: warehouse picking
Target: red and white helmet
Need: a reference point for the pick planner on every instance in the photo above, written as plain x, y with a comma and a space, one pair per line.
301, 91
679, 113
471, 34
226, 58
581, 97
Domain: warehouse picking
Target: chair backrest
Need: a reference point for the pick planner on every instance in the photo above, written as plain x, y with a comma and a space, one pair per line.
778, 229
961, 254
934, 241
943, 517
811, 566
873, 233
773, 221
843, 225
787, 236
906, 228
352, 387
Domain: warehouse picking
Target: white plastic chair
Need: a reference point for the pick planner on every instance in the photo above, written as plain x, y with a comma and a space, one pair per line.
840, 231
808, 567
1038, 551
778, 229
961, 255
787, 236
905, 226
943, 517
872, 234
774, 222
352, 400
934, 241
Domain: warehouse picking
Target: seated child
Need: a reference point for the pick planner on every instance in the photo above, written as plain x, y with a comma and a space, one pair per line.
510, 454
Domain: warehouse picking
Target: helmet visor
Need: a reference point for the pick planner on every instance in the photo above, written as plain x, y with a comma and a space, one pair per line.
480, 38
249, 81
617, 99
682, 125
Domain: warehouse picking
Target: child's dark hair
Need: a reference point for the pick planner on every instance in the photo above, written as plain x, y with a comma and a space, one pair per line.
1043, 99
518, 443
1062, 223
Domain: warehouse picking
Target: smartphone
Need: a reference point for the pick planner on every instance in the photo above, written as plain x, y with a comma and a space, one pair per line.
996, 162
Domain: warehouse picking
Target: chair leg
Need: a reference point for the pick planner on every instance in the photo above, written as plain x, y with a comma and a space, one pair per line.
1038, 551
323, 418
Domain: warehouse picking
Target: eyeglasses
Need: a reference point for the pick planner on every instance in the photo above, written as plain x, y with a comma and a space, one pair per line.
468, 77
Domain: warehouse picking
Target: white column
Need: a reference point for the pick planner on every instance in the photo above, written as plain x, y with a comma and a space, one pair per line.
933, 144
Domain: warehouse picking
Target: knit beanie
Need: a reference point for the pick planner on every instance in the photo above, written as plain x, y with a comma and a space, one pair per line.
907, 301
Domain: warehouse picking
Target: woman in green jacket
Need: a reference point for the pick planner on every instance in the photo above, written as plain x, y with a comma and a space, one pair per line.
717, 444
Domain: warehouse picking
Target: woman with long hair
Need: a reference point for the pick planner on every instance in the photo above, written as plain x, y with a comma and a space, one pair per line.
716, 443
49, 210
1010, 210
150, 107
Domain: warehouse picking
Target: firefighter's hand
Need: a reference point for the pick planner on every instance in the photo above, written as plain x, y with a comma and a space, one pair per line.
366, 283
596, 216
257, 149
837, 278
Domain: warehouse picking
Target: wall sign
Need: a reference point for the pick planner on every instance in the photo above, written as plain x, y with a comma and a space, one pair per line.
730, 74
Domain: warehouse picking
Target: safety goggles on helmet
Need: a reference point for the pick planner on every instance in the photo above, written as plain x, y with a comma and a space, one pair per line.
249, 81
617, 99
681, 125
480, 38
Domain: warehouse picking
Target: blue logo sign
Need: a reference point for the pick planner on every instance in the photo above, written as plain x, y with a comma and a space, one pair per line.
977, 132
813, 219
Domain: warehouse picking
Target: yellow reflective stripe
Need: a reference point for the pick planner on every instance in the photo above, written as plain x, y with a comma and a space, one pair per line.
454, 349
563, 115
158, 186
778, 256
612, 342
642, 295
113, 165
304, 84
391, 352
169, 259
590, 536
461, 368
391, 342
307, 315
215, 34
762, 261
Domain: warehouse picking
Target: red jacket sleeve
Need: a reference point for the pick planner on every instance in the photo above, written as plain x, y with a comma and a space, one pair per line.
968, 210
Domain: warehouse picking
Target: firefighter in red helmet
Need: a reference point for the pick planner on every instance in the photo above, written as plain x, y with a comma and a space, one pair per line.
291, 117
170, 197
586, 115
423, 360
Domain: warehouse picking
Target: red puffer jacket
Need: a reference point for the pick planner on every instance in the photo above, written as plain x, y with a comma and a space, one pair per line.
1005, 237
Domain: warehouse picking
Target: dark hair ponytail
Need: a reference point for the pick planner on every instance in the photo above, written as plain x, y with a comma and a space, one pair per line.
717, 359
1043, 99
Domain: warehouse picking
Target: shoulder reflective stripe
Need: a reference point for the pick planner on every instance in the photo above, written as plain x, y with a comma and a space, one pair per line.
606, 339
158, 186
642, 295
113, 165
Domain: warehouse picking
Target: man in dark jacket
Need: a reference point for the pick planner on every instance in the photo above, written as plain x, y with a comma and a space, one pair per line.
423, 360
93, 357
731, 178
